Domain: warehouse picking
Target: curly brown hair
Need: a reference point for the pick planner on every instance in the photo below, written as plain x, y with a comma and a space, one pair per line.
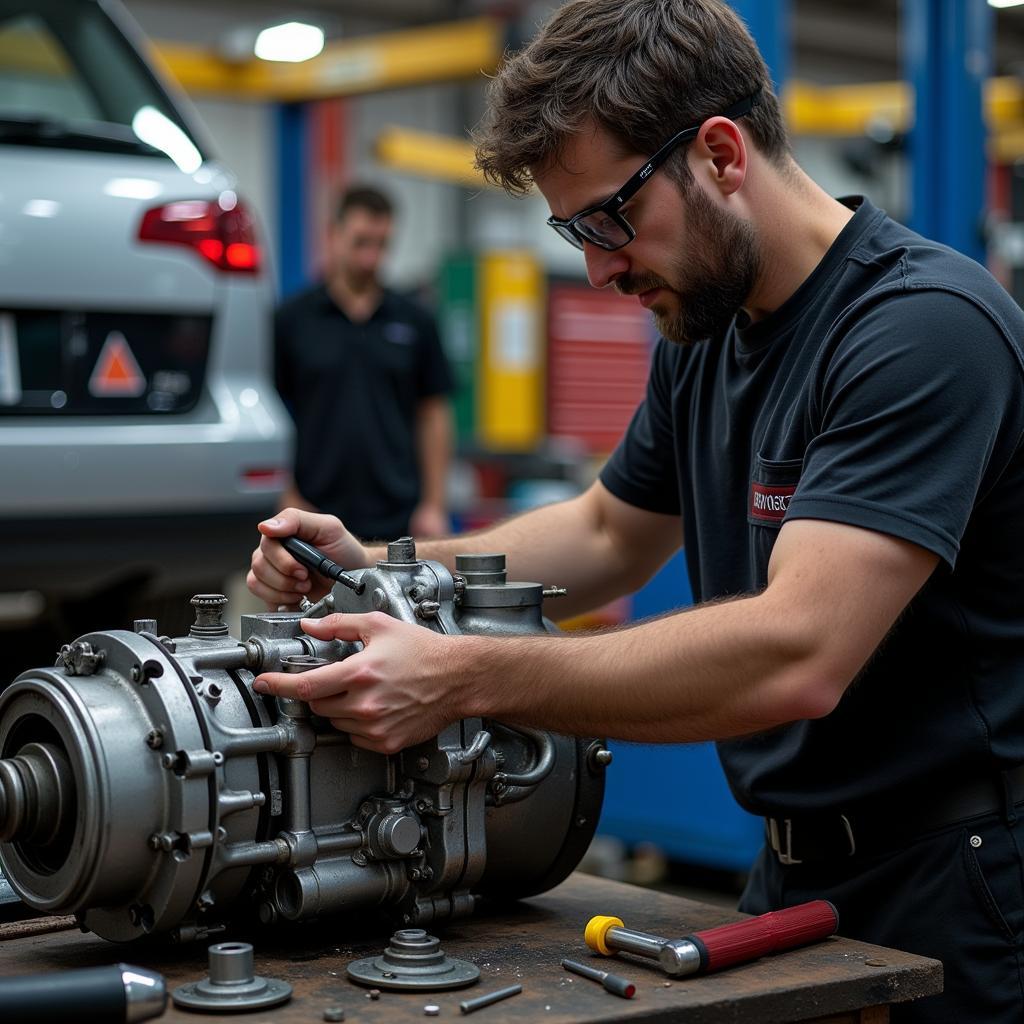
641, 69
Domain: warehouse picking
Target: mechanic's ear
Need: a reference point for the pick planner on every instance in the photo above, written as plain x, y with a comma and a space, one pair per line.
721, 153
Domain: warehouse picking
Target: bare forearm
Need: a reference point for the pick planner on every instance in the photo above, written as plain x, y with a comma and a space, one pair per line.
563, 545
715, 671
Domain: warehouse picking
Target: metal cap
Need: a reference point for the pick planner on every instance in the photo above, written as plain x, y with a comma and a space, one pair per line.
488, 568
145, 993
402, 550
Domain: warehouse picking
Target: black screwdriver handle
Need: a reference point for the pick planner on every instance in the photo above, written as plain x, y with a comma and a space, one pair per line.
314, 559
97, 995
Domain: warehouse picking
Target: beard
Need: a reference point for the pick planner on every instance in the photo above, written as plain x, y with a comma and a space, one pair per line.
712, 274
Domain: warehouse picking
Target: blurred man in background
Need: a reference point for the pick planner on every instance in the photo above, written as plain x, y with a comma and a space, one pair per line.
362, 370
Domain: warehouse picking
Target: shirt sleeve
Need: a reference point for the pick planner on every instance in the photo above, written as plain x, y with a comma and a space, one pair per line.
916, 410
434, 376
642, 469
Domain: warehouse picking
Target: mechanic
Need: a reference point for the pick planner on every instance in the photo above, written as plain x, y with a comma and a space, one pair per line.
834, 413
363, 373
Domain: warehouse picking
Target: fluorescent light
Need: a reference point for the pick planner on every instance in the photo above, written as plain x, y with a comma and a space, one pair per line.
1005, 3
292, 42
160, 132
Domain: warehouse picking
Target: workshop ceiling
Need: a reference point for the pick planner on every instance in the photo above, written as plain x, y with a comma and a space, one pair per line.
833, 40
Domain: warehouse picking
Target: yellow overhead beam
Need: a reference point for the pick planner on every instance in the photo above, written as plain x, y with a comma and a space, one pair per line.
839, 110
844, 109
429, 156
390, 60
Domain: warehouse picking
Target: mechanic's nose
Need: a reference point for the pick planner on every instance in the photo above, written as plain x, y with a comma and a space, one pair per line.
603, 267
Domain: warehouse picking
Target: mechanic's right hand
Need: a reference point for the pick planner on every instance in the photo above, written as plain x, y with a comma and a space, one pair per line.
277, 578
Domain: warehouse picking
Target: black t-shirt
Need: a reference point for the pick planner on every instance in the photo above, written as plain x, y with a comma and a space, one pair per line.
886, 393
353, 390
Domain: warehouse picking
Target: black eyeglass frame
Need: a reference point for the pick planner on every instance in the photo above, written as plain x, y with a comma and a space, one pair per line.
569, 230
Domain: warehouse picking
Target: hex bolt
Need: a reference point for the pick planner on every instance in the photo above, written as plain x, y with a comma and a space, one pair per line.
154, 739
422, 764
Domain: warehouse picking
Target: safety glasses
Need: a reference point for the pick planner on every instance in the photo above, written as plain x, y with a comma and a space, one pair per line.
602, 225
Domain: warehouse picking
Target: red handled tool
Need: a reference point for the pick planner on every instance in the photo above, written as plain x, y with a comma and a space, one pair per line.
718, 948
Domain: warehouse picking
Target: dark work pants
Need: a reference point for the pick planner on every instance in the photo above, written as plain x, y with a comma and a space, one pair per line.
940, 896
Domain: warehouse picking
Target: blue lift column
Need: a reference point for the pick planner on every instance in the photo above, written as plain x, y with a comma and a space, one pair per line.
292, 128
769, 24
947, 58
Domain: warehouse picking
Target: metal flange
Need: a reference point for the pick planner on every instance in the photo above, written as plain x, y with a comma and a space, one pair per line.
231, 987
414, 962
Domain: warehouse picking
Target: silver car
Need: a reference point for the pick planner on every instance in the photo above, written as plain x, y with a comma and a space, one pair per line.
139, 430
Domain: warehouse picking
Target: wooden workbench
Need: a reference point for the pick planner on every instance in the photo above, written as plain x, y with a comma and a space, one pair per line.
838, 980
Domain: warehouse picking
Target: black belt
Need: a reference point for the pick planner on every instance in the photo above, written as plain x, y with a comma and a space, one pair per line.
835, 835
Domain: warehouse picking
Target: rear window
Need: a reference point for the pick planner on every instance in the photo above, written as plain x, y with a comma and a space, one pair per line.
69, 78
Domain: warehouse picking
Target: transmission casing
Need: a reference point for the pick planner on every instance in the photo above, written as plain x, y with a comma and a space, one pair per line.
146, 788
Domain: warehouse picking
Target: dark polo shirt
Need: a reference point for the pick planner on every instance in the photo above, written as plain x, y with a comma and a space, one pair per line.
353, 390
887, 393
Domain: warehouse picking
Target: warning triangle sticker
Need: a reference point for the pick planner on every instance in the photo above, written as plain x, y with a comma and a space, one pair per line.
116, 374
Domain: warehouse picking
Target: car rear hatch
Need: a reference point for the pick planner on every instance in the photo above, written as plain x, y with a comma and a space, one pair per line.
92, 319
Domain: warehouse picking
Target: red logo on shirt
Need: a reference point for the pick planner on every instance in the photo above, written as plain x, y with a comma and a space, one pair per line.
770, 503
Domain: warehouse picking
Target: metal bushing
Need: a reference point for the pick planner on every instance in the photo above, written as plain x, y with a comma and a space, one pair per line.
414, 962
209, 624
231, 986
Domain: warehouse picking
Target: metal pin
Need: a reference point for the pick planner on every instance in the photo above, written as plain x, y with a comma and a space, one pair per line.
469, 1005
613, 983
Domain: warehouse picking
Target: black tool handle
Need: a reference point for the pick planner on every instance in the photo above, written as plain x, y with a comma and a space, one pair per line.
314, 559
93, 995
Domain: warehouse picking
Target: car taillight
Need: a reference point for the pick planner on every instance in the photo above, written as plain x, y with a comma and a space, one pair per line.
225, 237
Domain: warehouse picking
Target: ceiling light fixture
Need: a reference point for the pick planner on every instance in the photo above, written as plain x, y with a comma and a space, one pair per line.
293, 42
1005, 3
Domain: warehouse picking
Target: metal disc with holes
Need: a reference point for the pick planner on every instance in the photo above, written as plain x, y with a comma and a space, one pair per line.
414, 962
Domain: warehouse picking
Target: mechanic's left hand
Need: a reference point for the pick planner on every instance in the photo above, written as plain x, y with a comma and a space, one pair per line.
394, 693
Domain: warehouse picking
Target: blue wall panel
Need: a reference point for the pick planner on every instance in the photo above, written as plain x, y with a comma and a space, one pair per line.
676, 795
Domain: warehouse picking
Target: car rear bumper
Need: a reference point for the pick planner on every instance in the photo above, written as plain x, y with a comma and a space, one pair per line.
70, 557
